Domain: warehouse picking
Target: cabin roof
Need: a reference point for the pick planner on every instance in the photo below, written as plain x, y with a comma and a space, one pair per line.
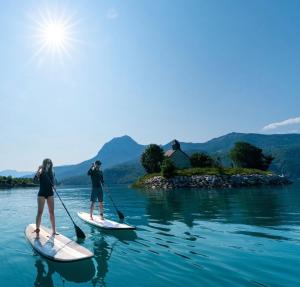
169, 152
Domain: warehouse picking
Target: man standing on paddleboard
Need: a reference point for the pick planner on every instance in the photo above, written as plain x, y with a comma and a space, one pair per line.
97, 193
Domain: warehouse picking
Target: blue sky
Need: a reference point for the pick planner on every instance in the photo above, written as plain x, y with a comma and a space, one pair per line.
155, 70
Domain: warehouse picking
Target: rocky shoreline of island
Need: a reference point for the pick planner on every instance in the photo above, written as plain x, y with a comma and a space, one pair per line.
213, 181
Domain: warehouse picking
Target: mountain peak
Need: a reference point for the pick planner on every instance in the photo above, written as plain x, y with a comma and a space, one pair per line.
122, 139
119, 149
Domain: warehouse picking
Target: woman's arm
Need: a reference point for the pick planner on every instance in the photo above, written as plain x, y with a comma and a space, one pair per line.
36, 177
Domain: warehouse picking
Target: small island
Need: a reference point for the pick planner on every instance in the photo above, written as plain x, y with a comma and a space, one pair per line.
175, 169
11, 182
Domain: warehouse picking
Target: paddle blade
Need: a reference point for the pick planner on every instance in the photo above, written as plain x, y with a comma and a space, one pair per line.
121, 215
79, 233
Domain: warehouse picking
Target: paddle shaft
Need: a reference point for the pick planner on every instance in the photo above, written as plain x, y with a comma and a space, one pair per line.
79, 232
120, 214
64, 205
111, 199
61, 201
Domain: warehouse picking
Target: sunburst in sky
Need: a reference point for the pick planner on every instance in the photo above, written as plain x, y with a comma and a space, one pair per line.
54, 34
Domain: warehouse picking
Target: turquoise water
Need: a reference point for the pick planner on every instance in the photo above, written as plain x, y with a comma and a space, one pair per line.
240, 237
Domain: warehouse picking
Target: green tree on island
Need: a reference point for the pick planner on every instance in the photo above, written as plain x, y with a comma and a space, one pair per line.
152, 158
247, 155
201, 159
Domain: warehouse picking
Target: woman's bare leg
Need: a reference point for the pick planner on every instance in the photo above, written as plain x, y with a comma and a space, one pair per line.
41, 204
50, 202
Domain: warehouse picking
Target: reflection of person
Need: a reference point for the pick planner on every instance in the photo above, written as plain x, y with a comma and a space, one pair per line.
45, 177
43, 279
103, 252
97, 193
102, 255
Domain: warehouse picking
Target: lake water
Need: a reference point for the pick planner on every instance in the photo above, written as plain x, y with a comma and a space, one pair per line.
238, 237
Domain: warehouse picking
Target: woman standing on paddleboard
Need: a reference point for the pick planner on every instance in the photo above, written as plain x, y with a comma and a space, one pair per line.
45, 177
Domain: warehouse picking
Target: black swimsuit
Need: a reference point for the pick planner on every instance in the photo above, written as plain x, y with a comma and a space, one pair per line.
46, 185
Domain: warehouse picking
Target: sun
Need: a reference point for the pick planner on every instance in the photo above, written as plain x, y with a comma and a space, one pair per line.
54, 34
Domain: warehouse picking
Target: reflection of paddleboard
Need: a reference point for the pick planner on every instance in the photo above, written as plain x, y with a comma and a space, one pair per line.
105, 224
78, 271
55, 247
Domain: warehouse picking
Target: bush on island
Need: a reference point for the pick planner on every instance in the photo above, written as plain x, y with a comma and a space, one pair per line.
201, 159
246, 155
152, 158
167, 168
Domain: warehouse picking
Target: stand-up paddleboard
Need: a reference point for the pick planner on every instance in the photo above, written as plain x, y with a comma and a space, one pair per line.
105, 224
55, 247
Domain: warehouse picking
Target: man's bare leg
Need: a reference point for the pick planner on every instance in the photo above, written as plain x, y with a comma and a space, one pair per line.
101, 210
92, 210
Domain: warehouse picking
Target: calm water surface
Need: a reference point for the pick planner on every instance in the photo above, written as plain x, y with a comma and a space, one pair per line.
240, 237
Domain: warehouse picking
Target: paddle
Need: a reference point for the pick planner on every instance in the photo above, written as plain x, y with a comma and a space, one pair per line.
79, 233
120, 214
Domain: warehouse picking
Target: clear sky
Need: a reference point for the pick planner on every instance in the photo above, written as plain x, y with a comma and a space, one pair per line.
155, 70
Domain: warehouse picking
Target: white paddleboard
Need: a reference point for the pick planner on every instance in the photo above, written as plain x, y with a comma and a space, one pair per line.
55, 247
105, 224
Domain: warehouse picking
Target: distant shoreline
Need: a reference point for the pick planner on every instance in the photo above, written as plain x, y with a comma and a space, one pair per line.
11, 182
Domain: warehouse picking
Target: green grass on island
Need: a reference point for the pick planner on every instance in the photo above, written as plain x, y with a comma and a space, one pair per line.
9, 182
205, 171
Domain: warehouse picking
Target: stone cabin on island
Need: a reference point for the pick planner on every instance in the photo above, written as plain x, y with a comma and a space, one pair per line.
178, 157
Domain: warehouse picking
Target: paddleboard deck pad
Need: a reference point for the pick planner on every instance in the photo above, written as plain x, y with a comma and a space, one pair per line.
104, 224
55, 247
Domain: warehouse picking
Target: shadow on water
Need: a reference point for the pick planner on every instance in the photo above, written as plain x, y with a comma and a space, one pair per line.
79, 272
122, 235
254, 206
263, 235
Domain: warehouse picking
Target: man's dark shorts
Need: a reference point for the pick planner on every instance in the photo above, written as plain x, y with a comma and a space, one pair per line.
97, 194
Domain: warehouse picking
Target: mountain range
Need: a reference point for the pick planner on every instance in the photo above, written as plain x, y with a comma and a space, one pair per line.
120, 157
15, 173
